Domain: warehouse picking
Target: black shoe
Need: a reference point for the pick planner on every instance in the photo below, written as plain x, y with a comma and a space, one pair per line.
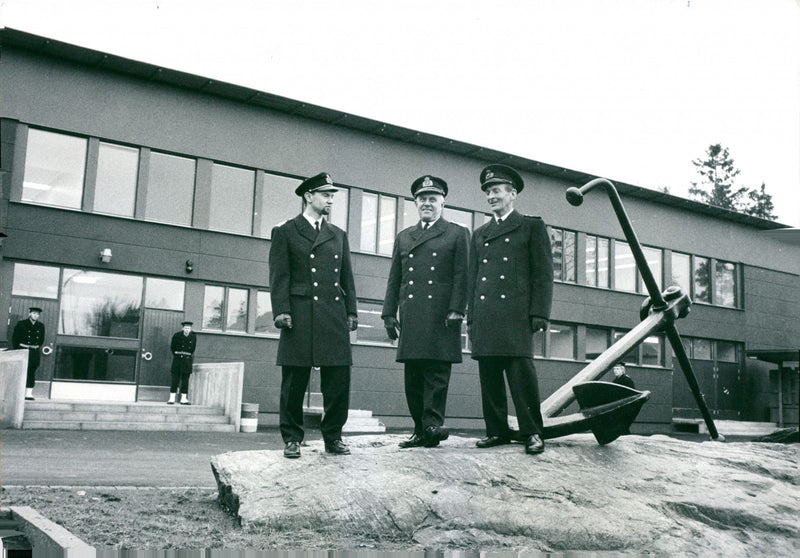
534, 444
492, 441
292, 450
337, 447
433, 435
415, 441
29, 399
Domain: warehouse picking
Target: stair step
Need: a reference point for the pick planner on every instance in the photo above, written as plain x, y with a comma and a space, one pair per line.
141, 408
121, 417
144, 426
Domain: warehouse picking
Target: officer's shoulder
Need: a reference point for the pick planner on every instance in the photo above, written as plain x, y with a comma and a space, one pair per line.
532, 217
335, 229
408, 230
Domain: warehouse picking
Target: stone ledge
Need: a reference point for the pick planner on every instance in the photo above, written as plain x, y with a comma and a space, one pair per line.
48, 538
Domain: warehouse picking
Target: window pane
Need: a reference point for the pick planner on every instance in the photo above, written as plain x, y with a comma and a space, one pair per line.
459, 217
701, 349
232, 191
100, 304
538, 344
369, 222
212, 307
562, 341
726, 352
341, 208
237, 310
35, 280
387, 225
569, 256
653, 351
278, 203
54, 169
701, 280
624, 267
632, 356
682, 272
602, 263
557, 243
117, 170
95, 363
591, 260
165, 294
653, 258
725, 284
264, 322
170, 189
410, 214
370, 324
596, 342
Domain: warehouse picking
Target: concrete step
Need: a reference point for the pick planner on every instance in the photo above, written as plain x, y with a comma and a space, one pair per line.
142, 426
728, 427
358, 420
107, 407
121, 417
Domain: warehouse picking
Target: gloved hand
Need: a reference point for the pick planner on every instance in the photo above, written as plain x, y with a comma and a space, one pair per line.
352, 322
392, 327
454, 319
283, 321
538, 324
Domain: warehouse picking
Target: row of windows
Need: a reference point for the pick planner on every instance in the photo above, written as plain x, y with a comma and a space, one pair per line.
141, 183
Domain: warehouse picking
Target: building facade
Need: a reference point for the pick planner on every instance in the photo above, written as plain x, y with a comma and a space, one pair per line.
134, 197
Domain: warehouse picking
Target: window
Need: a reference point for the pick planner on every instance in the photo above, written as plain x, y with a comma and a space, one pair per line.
54, 169
624, 267
225, 309
632, 356
341, 206
35, 281
597, 261
164, 294
117, 171
378, 222
682, 272
459, 217
701, 349
370, 325
702, 280
726, 352
369, 222
410, 214
653, 351
562, 341
538, 344
596, 342
170, 189
653, 258
278, 202
100, 304
725, 283
563, 246
232, 191
264, 318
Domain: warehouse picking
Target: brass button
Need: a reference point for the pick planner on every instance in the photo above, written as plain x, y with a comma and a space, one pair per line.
411, 282
482, 297
313, 270
430, 282
316, 298
434, 253
502, 296
485, 260
411, 296
316, 284
411, 269
433, 268
430, 296
312, 256
411, 255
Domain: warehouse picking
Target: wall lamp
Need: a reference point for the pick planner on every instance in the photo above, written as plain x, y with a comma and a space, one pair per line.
189, 266
105, 255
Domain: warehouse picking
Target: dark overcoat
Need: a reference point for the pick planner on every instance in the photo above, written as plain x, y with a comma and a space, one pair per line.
428, 279
510, 281
180, 345
31, 333
311, 278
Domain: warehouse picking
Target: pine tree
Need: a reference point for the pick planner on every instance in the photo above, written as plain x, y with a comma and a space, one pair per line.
717, 172
760, 204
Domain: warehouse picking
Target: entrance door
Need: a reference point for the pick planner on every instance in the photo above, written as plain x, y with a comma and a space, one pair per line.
49, 317
716, 367
156, 358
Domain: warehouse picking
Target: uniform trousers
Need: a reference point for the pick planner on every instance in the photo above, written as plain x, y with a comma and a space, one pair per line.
524, 387
180, 380
33, 364
335, 384
426, 383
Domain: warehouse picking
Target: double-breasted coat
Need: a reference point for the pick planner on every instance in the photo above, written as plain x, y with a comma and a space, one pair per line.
427, 280
510, 282
311, 278
31, 334
183, 347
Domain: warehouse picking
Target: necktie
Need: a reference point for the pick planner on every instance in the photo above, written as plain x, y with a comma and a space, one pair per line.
425, 226
316, 225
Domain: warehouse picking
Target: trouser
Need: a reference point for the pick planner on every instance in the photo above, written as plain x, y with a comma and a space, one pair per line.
426, 383
524, 388
180, 380
33, 364
335, 384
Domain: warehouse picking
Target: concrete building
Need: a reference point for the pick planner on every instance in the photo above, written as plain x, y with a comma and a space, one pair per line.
135, 196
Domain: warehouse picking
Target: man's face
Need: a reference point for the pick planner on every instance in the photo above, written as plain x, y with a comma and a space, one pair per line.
429, 206
500, 198
320, 202
619, 370
34, 316
187, 329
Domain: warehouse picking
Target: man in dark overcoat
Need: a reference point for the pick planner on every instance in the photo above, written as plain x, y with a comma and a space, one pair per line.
314, 305
29, 334
510, 291
183, 345
428, 284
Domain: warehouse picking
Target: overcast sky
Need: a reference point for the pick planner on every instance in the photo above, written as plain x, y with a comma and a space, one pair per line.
632, 90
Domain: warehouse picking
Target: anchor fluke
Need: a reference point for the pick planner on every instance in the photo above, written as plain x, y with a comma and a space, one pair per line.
574, 196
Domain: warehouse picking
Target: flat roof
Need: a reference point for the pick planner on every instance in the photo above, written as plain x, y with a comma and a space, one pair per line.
149, 72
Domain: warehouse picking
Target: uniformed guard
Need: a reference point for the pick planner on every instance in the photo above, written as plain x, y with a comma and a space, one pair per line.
428, 284
510, 291
314, 305
29, 334
183, 345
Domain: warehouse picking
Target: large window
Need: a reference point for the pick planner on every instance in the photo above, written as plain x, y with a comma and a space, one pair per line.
370, 325
596, 342
35, 281
725, 283
170, 189
702, 280
278, 202
562, 341
624, 267
225, 309
232, 191
653, 257
100, 304
117, 172
54, 169
378, 222
164, 294
563, 246
653, 351
264, 318
682, 272
341, 208
459, 217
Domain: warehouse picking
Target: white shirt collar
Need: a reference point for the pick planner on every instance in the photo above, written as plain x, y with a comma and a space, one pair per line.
311, 220
430, 223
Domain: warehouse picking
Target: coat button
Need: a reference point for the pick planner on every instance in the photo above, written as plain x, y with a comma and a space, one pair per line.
502, 296
316, 284
411, 255
336, 298
430, 282
336, 270
434, 253
313, 270
316, 298
411, 282
336, 256
312, 256
433, 268
507, 240
486, 244
505, 259
411, 269
485, 260
482, 297
430, 296
336, 284
411, 296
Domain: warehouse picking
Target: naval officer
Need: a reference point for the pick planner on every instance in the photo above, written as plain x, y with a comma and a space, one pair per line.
29, 334
428, 285
510, 291
183, 346
314, 305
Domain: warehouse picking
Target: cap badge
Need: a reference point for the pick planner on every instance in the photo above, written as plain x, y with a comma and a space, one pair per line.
489, 174
427, 182
328, 179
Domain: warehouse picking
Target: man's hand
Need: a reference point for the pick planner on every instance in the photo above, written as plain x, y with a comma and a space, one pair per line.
392, 327
352, 322
454, 319
538, 324
283, 321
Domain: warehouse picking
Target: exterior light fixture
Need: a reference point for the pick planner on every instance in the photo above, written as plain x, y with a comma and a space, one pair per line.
105, 255
189, 266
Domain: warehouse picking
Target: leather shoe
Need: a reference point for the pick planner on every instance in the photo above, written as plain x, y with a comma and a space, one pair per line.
415, 441
534, 444
492, 441
337, 447
433, 435
292, 450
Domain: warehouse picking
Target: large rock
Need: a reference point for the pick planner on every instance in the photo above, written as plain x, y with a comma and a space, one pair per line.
646, 494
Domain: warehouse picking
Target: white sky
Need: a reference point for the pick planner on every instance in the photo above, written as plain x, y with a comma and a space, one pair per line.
632, 90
